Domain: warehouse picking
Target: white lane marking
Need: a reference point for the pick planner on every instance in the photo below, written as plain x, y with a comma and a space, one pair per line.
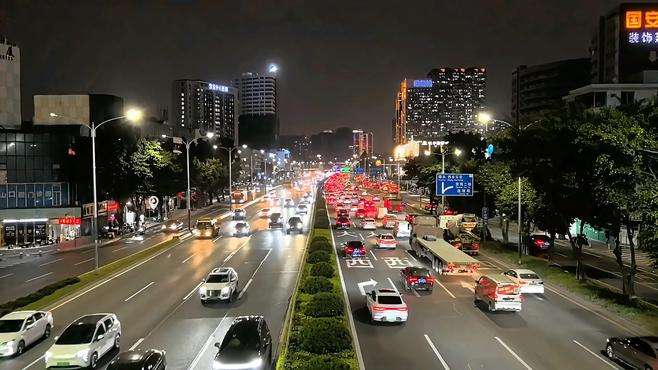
85, 261
120, 249
446, 289
373, 255
361, 237
139, 341
595, 354
139, 291
48, 263
513, 353
205, 345
539, 298
216, 239
236, 251
8, 275
393, 285
33, 363
243, 290
415, 292
188, 258
88, 251
38, 277
436, 352
411, 255
192, 291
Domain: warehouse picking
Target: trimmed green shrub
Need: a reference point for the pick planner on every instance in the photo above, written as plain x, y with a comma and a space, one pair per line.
318, 256
324, 363
321, 222
320, 238
33, 297
316, 284
322, 269
320, 245
324, 304
324, 335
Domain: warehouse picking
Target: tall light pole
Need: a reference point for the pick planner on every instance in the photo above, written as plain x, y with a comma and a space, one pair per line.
485, 118
229, 150
132, 115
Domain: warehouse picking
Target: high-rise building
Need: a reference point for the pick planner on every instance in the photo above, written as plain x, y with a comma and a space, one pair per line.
540, 88
361, 143
625, 45
204, 106
447, 101
259, 118
299, 145
10, 84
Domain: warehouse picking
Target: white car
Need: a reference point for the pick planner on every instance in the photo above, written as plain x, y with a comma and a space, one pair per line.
84, 341
402, 229
368, 224
302, 209
289, 203
239, 214
387, 241
386, 305
528, 281
19, 329
221, 284
264, 213
376, 199
241, 228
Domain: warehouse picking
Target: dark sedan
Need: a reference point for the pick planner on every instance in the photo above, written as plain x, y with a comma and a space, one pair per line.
246, 345
637, 352
150, 359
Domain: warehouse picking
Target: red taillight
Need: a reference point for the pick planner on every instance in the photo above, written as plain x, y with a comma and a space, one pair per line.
378, 308
458, 245
363, 250
539, 242
412, 279
475, 245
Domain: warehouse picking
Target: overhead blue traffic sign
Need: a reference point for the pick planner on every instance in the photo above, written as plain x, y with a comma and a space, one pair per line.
454, 184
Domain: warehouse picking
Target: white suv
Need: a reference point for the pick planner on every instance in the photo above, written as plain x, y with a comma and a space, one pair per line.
84, 341
221, 284
21, 328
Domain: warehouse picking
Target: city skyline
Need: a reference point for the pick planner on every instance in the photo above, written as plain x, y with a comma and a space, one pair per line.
139, 63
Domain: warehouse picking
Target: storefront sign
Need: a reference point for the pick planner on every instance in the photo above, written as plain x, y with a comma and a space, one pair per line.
69, 221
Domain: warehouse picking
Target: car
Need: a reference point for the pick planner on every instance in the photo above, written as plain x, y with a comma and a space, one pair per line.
376, 199
85, 341
369, 224
386, 241
19, 329
239, 214
402, 229
343, 222
538, 244
342, 212
264, 213
386, 305
242, 228
205, 228
354, 248
276, 221
221, 284
150, 359
289, 203
636, 352
302, 209
246, 345
418, 278
528, 281
360, 213
388, 222
171, 226
295, 224
497, 293
465, 242
410, 217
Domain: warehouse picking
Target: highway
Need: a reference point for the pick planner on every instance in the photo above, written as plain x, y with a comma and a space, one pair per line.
446, 331
158, 305
22, 277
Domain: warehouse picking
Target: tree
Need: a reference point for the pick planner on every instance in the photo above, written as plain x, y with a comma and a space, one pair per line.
493, 176
211, 175
146, 163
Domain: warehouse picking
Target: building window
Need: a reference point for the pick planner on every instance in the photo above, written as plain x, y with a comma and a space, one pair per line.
627, 97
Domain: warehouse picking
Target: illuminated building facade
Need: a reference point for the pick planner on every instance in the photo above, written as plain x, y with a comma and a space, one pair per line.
362, 143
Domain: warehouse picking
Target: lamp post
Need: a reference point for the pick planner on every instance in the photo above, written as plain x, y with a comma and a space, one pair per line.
229, 150
485, 118
132, 115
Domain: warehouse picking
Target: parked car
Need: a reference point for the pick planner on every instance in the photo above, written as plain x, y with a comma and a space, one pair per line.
418, 278
220, 284
354, 248
246, 345
386, 241
295, 225
343, 223
498, 293
636, 352
276, 221
150, 359
19, 329
239, 214
242, 228
172, 226
528, 281
386, 305
85, 341
369, 224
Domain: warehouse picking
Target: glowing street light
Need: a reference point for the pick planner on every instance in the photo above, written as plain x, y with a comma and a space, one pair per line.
272, 68
458, 152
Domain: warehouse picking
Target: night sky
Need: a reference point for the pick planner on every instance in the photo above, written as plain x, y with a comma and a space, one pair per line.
341, 61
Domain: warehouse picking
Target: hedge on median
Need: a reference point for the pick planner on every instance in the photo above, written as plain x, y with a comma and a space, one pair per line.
33, 297
320, 245
322, 269
324, 362
317, 284
324, 304
318, 256
324, 335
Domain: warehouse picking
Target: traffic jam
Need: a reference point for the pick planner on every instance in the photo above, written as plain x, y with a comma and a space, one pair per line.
399, 261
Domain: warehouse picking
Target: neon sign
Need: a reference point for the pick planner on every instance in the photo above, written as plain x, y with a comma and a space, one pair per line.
642, 26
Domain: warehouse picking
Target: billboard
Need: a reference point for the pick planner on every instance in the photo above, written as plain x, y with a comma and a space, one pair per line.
68, 110
10, 85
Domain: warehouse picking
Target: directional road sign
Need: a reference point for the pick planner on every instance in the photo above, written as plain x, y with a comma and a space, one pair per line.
454, 184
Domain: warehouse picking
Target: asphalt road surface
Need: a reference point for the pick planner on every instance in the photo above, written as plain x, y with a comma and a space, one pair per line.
445, 330
24, 277
158, 305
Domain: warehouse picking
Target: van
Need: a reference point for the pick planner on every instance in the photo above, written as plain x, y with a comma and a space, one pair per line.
498, 293
402, 229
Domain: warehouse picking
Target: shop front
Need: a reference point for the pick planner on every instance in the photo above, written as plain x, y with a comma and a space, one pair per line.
38, 226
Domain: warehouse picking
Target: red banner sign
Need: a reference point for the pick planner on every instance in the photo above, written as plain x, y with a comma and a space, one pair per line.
69, 220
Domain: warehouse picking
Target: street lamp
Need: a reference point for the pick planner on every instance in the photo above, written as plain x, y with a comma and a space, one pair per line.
132, 115
229, 150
